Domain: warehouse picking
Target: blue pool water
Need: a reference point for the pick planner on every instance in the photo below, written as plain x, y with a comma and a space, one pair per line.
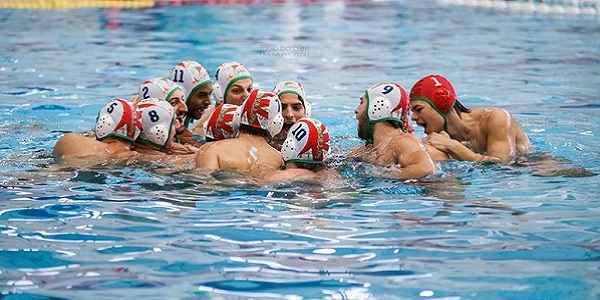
471, 231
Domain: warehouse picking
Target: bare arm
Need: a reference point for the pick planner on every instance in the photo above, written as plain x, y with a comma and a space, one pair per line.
412, 159
500, 140
502, 136
453, 148
498, 136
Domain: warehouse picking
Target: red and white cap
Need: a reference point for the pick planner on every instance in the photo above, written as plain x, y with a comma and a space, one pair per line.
223, 122
190, 75
262, 110
306, 142
387, 101
228, 73
118, 118
157, 118
160, 88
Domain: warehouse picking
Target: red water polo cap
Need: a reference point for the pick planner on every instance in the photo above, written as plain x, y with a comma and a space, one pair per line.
436, 90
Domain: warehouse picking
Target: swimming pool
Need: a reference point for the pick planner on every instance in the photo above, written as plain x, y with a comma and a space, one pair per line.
471, 231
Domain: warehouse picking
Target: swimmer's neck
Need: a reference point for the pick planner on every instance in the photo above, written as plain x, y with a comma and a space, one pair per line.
253, 138
383, 133
115, 145
460, 127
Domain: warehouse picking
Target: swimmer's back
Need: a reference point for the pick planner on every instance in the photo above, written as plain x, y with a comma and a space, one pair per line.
73, 145
241, 155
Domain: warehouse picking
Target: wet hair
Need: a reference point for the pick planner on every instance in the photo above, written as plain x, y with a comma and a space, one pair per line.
460, 108
396, 124
254, 131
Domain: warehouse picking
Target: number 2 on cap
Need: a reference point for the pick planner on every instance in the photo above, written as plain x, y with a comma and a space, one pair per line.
145, 91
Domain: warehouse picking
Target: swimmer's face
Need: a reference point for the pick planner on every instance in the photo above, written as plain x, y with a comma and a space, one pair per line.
199, 101
360, 112
425, 115
292, 109
180, 109
239, 91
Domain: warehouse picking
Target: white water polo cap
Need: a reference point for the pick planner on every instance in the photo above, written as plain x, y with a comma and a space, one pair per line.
306, 142
387, 102
157, 118
118, 118
190, 75
223, 123
262, 110
161, 88
227, 74
294, 87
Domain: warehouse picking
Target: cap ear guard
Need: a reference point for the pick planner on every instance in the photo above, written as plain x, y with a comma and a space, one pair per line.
262, 110
118, 118
306, 142
217, 94
307, 109
157, 122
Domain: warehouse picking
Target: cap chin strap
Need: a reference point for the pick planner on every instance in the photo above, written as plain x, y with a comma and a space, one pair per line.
187, 121
369, 139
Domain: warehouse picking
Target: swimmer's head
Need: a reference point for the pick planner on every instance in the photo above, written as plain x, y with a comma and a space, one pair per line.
296, 88
223, 123
306, 142
160, 87
226, 76
157, 120
387, 101
118, 118
262, 110
191, 76
437, 91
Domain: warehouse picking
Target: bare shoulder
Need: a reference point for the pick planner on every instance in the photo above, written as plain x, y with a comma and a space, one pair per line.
405, 141
74, 144
491, 115
72, 137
